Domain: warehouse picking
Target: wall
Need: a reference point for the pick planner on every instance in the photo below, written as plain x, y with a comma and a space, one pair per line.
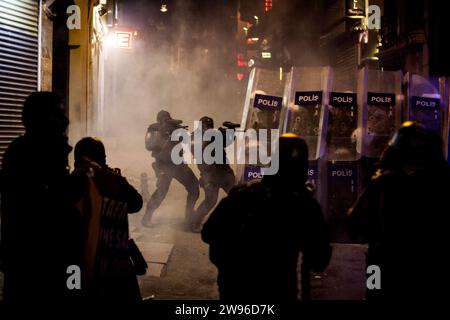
86, 74
46, 51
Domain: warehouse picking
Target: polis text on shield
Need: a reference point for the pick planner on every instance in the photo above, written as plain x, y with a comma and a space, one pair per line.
342, 99
308, 97
425, 103
265, 102
380, 99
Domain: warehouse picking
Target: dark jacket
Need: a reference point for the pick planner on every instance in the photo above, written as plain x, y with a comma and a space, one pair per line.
404, 217
40, 233
255, 236
107, 198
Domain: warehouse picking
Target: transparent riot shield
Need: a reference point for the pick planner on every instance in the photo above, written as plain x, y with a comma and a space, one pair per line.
263, 101
262, 109
423, 101
306, 112
340, 168
343, 127
381, 109
444, 88
306, 97
342, 183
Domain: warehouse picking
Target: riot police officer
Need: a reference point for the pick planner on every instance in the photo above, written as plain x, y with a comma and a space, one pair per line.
403, 216
256, 233
213, 177
157, 140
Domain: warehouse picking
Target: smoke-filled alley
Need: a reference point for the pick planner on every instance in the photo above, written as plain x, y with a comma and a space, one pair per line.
184, 154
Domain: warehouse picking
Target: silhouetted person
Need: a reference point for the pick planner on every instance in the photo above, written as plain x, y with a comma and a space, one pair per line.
256, 233
213, 177
157, 140
106, 199
404, 216
40, 231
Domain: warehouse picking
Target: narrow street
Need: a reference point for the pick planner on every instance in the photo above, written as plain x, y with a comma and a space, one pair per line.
339, 110
179, 267
182, 270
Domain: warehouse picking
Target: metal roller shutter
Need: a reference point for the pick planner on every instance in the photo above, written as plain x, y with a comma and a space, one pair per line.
19, 64
346, 57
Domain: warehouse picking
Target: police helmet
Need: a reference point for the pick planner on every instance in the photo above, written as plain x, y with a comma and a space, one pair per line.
207, 123
416, 144
293, 155
163, 116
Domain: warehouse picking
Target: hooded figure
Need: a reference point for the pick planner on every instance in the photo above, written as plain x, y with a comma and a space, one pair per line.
403, 216
256, 233
40, 233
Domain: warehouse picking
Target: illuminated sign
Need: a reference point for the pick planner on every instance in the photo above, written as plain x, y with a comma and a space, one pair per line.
355, 8
240, 60
268, 5
266, 55
123, 39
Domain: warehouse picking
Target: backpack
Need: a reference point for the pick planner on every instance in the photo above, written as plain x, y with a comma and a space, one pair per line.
153, 138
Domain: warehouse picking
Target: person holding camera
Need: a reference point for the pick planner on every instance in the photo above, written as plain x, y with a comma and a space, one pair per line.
105, 199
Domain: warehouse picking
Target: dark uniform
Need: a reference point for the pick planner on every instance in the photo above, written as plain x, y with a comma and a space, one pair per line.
403, 215
213, 177
158, 142
256, 233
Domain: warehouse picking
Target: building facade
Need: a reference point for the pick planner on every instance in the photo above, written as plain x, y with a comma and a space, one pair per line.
40, 52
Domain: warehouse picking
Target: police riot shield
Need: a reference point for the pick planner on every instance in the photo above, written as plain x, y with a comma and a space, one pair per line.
306, 112
381, 109
343, 127
340, 168
423, 101
262, 109
306, 97
263, 101
381, 115
342, 187
444, 89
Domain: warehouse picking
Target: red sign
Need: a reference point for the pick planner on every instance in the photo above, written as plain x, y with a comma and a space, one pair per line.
268, 5
240, 60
